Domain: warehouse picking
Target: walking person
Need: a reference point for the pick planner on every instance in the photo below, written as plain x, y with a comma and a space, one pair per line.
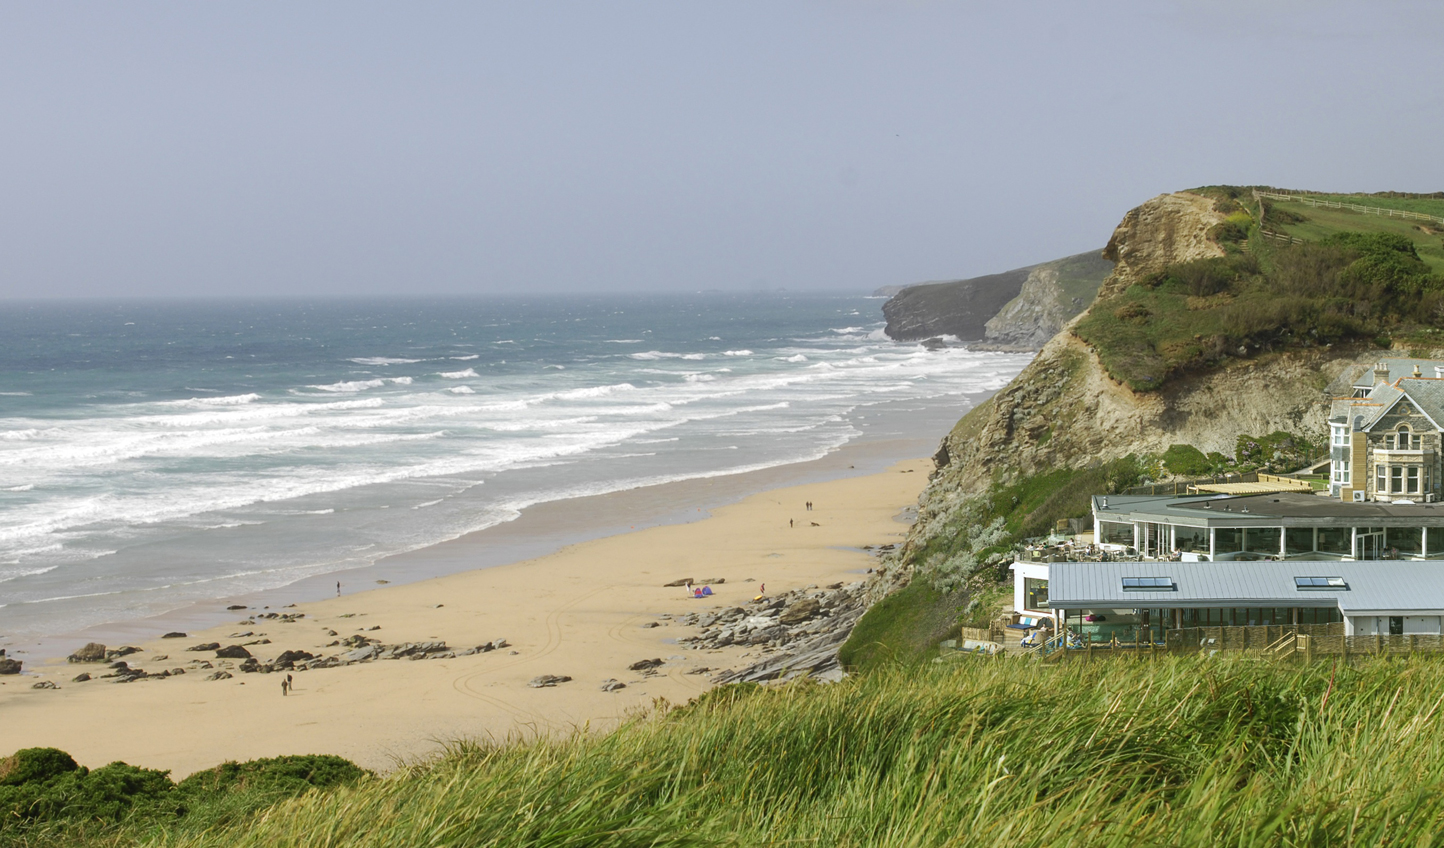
285, 688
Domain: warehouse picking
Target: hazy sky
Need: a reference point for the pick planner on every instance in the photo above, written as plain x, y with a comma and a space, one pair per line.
336, 148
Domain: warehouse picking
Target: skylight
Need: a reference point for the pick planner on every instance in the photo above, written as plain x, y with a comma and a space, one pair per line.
1320, 583
1148, 584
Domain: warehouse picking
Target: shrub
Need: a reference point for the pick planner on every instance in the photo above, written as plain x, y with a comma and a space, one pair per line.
1186, 460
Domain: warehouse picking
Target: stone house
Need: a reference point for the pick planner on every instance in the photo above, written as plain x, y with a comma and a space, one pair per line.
1385, 438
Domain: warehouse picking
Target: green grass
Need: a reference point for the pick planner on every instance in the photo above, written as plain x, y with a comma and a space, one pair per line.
1176, 752
903, 628
1321, 223
1424, 204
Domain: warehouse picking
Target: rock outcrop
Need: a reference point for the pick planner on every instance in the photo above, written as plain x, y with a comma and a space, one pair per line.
1015, 310
1052, 294
1063, 410
957, 308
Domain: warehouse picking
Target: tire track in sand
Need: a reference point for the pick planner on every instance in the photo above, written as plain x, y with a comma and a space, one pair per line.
464, 683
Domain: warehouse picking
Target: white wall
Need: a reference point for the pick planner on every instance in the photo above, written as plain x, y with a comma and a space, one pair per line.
1378, 625
1021, 570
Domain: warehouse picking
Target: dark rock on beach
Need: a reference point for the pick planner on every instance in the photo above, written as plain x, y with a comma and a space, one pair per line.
220, 675
45, 684
547, 680
232, 652
174, 634
9, 666
644, 665
680, 582
611, 685
92, 652
205, 646
81, 678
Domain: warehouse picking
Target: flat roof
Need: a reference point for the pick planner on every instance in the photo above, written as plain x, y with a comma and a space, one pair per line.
1371, 587
1273, 508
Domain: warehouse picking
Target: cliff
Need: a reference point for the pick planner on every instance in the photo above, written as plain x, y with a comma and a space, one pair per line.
1015, 310
1064, 410
1052, 294
958, 308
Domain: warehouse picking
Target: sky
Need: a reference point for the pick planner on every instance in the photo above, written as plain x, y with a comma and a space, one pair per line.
356, 149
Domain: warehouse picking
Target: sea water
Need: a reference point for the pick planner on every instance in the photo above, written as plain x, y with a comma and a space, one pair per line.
154, 454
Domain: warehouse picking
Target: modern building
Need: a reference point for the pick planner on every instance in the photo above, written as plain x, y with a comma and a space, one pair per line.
1264, 559
1128, 598
1283, 525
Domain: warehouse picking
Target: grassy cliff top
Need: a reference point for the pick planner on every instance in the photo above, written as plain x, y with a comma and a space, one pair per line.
1354, 277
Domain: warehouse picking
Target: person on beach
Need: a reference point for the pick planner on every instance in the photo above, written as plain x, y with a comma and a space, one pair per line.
338, 588
290, 684
285, 688
789, 523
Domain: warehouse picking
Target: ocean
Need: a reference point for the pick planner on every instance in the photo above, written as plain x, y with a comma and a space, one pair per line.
158, 454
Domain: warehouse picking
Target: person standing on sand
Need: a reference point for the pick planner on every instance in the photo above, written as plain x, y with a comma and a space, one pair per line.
338, 588
789, 522
285, 688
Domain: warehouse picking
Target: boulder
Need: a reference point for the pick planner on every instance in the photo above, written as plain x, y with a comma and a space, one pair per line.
289, 658
205, 646
681, 582
232, 652
9, 666
174, 634
546, 680
45, 684
800, 612
644, 665
93, 652
220, 675
498, 644
610, 685
81, 678
175, 671
236, 606
250, 665
117, 653
361, 654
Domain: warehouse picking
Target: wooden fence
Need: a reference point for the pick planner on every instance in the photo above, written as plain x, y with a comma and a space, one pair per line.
1335, 204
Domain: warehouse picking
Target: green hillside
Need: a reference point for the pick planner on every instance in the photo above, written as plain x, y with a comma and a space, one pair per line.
1318, 222
1356, 278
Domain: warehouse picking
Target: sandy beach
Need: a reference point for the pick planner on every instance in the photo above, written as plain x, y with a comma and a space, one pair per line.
586, 611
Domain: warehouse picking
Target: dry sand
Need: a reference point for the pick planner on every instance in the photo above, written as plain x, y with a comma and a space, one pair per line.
579, 612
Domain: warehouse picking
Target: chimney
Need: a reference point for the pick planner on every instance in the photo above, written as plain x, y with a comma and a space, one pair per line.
1381, 373
1439, 372
1417, 372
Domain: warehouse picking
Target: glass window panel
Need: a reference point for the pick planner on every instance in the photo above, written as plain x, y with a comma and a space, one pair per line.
1115, 533
1436, 540
1227, 540
1261, 539
1412, 481
1300, 540
1396, 478
1191, 538
1407, 540
1335, 540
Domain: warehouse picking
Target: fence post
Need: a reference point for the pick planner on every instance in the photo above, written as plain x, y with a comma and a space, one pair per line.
1308, 649
1378, 644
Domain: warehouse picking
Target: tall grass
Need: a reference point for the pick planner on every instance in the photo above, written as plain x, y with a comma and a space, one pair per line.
1181, 751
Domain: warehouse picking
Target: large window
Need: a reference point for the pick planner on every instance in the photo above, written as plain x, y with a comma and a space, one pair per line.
1264, 540
1396, 478
1407, 540
1300, 540
1227, 540
1335, 540
1381, 479
1436, 541
1412, 480
1035, 593
1191, 538
1115, 533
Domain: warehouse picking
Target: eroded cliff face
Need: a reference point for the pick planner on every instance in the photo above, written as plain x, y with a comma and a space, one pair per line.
1052, 294
1064, 410
1167, 229
957, 308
